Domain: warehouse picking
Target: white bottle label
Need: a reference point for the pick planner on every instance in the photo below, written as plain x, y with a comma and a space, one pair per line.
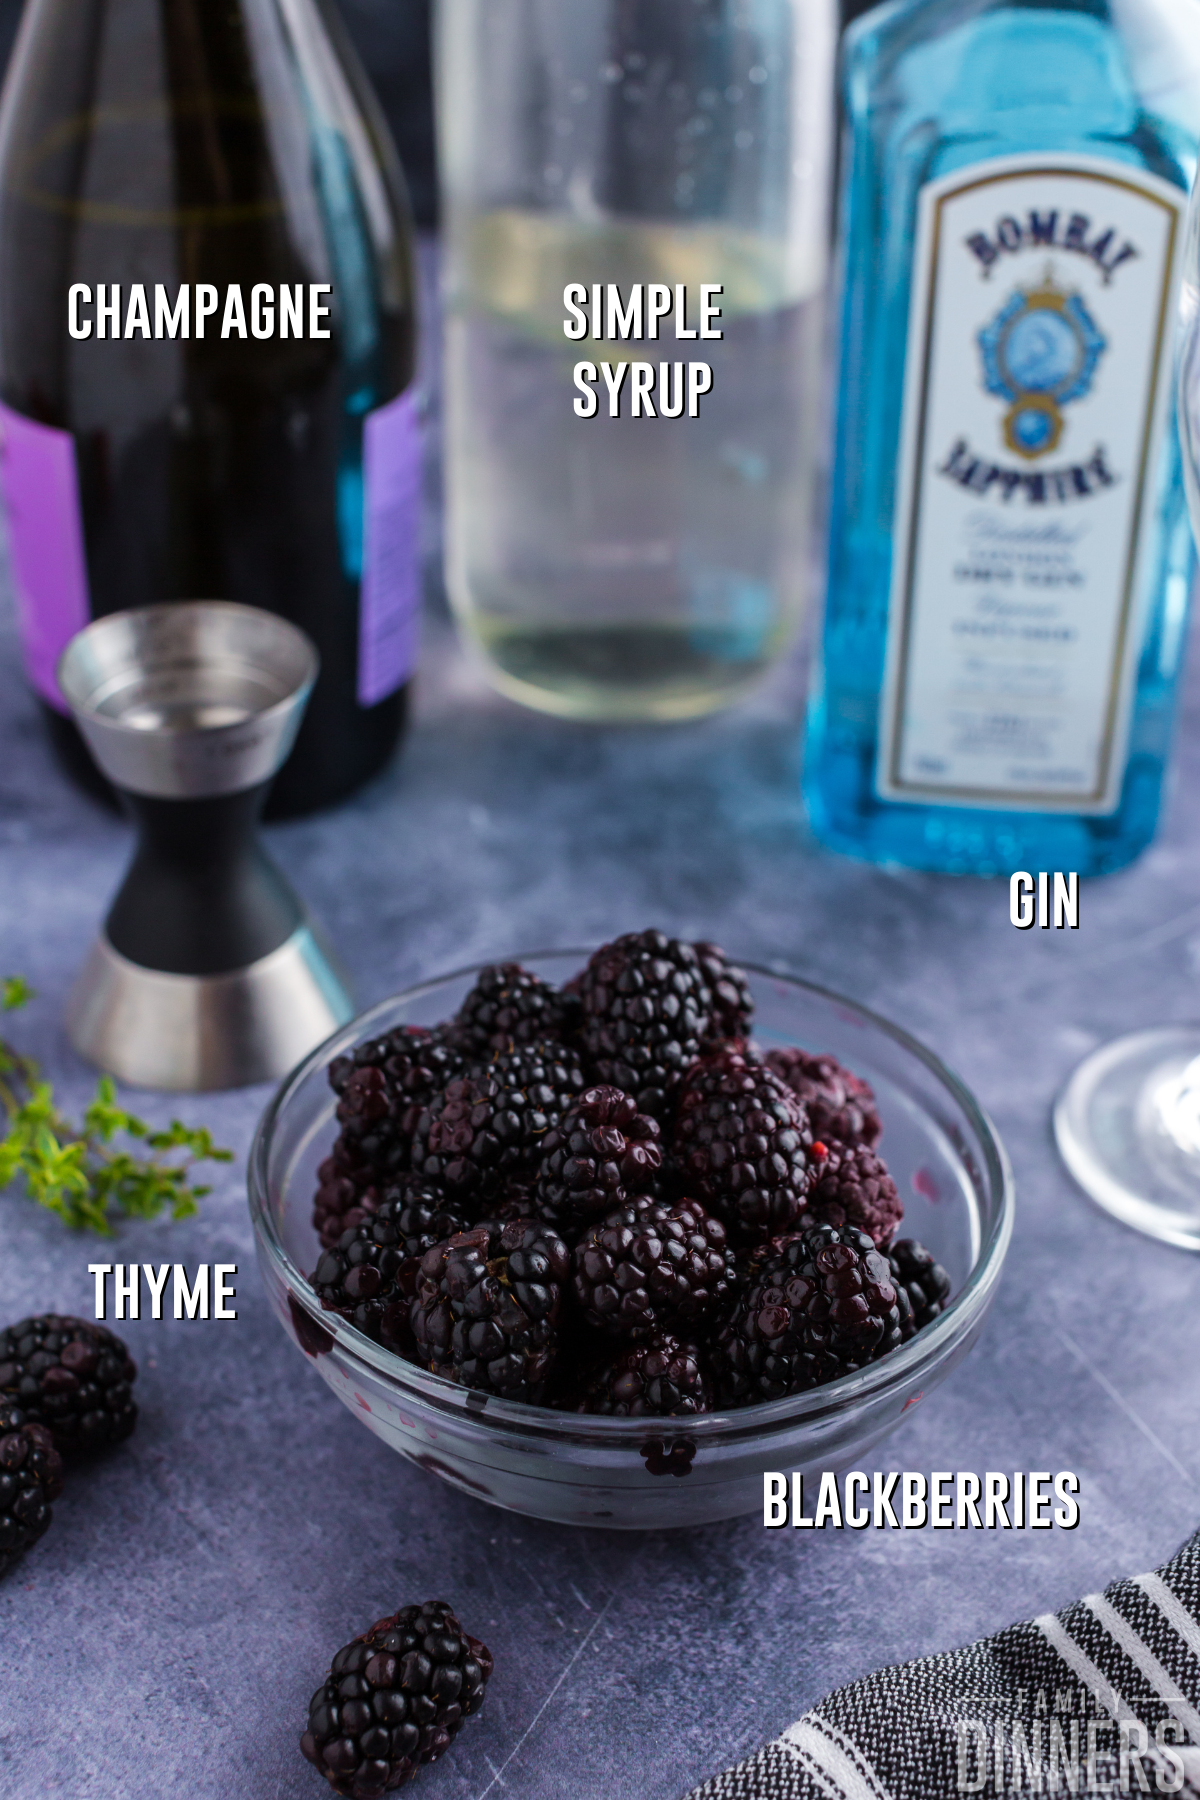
1036, 396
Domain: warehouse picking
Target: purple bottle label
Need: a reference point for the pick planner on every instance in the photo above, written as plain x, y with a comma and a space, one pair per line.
40, 487
390, 602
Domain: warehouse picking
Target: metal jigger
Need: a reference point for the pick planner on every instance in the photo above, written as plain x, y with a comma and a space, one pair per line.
206, 973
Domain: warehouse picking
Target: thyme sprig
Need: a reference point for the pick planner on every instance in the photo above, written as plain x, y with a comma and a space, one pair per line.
77, 1171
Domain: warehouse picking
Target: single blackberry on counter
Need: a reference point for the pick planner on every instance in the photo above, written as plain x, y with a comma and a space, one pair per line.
661, 1377
824, 1305
508, 1005
486, 1128
381, 1088
652, 1266
72, 1377
602, 1154
742, 1142
487, 1307
646, 1008
394, 1699
732, 1006
851, 1186
923, 1280
839, 1105
31, 1476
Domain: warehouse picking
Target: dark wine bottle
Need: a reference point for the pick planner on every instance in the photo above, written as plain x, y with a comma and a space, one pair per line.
207, 345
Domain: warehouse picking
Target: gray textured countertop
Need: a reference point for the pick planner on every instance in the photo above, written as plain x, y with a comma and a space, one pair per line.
164, 1638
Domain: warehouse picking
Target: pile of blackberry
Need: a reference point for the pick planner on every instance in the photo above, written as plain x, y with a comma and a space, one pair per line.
604, 1198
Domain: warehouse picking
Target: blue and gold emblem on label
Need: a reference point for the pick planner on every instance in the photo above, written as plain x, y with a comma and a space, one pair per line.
1039, 353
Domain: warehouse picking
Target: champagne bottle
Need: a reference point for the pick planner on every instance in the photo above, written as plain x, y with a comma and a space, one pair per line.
207, 346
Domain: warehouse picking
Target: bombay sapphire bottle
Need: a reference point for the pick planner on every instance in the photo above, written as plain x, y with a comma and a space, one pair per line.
1009, 558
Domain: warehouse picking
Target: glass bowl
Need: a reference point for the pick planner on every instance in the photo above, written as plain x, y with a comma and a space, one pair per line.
642, 1474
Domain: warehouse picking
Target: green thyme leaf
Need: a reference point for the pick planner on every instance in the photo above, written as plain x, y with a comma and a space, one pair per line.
14, 992
79, 1172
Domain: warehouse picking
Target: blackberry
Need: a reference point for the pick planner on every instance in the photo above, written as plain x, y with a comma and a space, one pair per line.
652, 1266
742, 1144
394, 1699
358, 1276
416, 1060
71, 1376
839, 1104
487, 1307
486, 1127
661, 1377
851, 1186
346, 1194
30, 1478
824, 1305
646, 1008
601, 1154
369, 1276
732, 1007
420, 1214
382, 1087
507, 1006
922, 1280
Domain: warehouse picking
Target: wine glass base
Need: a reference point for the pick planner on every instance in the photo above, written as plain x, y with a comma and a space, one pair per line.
1127, 1126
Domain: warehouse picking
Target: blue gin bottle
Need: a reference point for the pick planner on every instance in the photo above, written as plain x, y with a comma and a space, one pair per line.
1010, 560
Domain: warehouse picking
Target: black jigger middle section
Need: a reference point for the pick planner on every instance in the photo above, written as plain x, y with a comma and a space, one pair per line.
207, 973
201, 896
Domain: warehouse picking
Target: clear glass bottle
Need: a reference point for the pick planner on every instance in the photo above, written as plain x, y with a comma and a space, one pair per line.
1010, 560
631, 567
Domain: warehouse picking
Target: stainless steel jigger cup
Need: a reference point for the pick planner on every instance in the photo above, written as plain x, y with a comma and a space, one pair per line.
206, 973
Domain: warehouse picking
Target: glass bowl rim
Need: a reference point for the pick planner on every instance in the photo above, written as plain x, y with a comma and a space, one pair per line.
521, 1418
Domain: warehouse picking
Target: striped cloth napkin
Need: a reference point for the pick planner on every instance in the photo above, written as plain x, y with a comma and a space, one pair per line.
1100, 1699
